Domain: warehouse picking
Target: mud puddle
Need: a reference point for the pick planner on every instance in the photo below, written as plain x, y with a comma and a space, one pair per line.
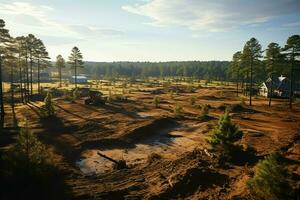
168, 144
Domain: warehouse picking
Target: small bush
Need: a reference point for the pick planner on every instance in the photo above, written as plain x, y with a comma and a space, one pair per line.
178, 111
28, 149
156, 101
242, 101
75, 94
205, 110
224, 135
271, 180
110, 96
193, 101
67, 96
153, 157
171, 94
49, 107
27, 173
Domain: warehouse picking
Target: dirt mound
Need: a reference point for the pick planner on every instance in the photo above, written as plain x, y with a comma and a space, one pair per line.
152, 128
236, 108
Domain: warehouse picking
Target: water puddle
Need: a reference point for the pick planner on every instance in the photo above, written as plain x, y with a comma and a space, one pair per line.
168, 145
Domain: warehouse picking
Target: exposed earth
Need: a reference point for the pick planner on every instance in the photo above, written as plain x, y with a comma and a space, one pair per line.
167, 157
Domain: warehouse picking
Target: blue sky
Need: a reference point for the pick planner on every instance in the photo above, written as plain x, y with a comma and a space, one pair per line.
152, 30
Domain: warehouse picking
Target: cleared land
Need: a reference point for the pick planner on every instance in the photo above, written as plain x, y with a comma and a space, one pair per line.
134, 129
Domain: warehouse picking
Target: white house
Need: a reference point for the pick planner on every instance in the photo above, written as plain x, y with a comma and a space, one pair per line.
281, 87
81, 79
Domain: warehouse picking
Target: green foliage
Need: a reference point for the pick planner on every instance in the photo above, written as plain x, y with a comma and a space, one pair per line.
171, 94
271, 179
178, 111
27, 173
205, 110
49, 107
75, 94
67, 95
242, 101
110, 96
206, 82
156, 101
192, 100
28, 149
224, 135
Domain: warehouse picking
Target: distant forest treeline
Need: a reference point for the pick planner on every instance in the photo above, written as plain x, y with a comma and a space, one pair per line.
216, 70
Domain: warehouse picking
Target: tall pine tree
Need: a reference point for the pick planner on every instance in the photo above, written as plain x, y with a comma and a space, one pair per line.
4, 40
251, 54
75, 59
292, 52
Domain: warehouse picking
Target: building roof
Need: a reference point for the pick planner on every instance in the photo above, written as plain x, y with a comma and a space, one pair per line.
281, 83
80, 77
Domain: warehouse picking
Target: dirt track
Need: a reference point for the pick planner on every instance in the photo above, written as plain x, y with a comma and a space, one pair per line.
133, 130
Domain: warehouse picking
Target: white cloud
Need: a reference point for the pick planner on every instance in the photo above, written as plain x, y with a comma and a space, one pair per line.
36, 19
213, 15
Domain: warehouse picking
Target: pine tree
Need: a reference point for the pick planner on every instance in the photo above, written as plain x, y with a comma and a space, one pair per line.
10, 59
28, 148
224, 135
250, 56
271, 180
273, 60
4, 39
60, 63
41, 55
75, 59
156, 101
292, 51
49, 107
235, 69
31, 49
21, 47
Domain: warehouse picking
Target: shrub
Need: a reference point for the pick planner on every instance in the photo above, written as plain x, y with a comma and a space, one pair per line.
109, 97
28, 149
271, 179
224, 135
26, 172
171, 94
67, 96
242, 101
193, 100
205, 110
156, 101
153, 157
75, 94
178, 111
49, 107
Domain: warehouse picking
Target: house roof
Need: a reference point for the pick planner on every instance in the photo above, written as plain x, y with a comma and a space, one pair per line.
281, 83
80, 77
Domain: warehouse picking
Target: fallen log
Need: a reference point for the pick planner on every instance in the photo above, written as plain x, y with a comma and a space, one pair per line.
118, 164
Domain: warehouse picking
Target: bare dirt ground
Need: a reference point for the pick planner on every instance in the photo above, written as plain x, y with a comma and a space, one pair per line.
135, 129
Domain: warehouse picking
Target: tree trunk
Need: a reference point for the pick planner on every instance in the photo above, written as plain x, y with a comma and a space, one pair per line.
237, 84
12, 87
31, 76
21, 81
1, 97
59, 74
75, 67
27, 80
39, 86
291, 83
251, 73
271, 92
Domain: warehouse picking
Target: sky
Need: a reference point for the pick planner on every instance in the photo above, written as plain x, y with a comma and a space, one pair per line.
152, 30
